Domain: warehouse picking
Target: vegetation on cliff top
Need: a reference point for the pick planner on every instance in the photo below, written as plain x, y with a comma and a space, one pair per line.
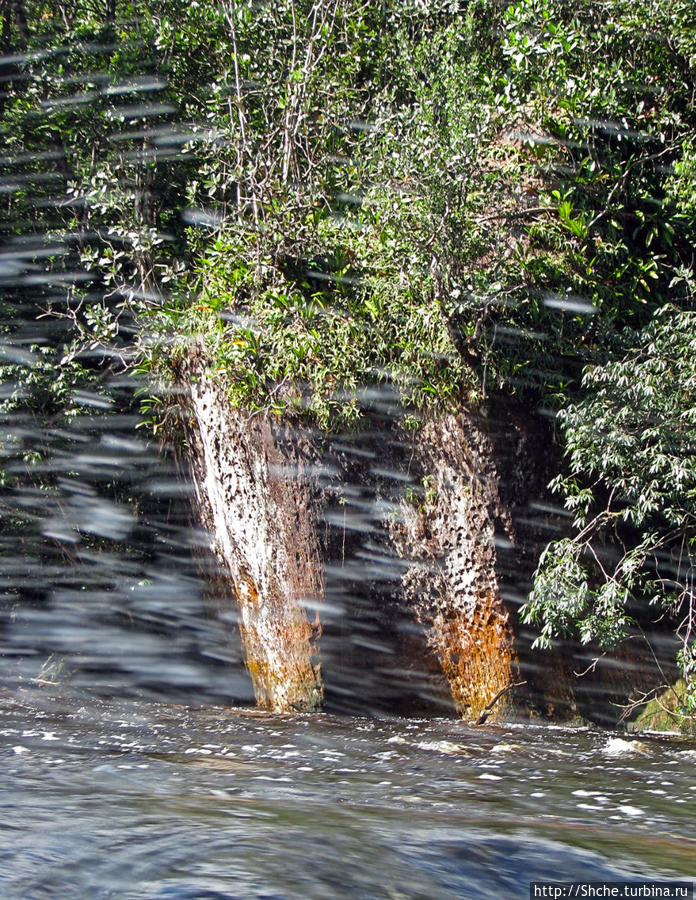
458, 198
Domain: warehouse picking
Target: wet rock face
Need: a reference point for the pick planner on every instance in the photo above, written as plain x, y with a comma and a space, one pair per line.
395, 532
457, 595
381, 571
265, 536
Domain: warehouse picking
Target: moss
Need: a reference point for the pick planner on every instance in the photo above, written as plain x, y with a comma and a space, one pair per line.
663, 713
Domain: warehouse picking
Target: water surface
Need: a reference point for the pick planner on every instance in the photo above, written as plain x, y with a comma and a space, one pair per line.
104, 798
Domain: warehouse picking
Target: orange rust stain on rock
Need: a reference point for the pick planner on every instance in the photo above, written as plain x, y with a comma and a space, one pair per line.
477, 657
254, 496
286, 680
457, 595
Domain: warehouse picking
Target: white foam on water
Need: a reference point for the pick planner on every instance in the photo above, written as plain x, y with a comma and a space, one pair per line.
632, 811
620, 747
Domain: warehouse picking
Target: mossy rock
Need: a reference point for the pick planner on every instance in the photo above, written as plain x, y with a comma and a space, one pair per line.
663, 713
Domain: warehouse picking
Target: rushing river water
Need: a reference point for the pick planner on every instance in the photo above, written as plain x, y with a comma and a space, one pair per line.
143, 800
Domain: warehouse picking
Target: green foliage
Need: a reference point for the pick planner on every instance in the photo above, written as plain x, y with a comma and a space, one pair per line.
634, 428
296, 308
457, 200
43, 383
631, 486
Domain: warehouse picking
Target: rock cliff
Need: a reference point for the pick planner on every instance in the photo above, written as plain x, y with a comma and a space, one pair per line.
382, 570
265, 538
